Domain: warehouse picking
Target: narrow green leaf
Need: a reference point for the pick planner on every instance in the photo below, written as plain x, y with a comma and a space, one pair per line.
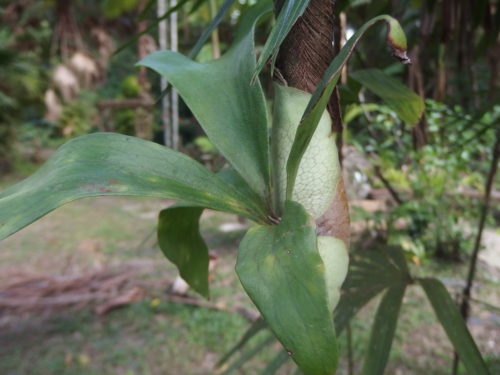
281, 270
454, 325
406, 103
377, 268
197, 4
276, 363
231, 111
180, 241
350, 303
289, 13
114, 164
355, 110
321, 95
148, 7
370, 273
248, 354
397, 257
224, 8
383, 330
151, 26
254, 329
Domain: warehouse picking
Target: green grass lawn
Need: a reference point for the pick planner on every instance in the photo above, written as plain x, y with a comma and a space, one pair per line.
143, 338
154, 336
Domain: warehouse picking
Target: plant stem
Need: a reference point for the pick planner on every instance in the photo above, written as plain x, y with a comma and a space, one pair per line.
466, 293
350, 359
388, 186
215, 33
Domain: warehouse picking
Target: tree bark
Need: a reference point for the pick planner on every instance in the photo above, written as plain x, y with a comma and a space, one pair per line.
302, 60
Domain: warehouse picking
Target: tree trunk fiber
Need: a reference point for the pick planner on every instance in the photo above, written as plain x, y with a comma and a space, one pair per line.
302, 60
308, 50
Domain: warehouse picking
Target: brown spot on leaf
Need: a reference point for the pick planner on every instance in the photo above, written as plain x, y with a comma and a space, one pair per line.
335, 221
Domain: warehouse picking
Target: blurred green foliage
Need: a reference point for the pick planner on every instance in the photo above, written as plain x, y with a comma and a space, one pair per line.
130, 87
436, 214
115, 8
77, 116
22, 83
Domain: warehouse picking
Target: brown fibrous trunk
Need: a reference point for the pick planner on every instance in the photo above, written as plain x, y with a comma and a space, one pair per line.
302, 60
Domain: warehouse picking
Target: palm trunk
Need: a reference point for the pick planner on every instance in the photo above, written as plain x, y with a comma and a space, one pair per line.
302, 60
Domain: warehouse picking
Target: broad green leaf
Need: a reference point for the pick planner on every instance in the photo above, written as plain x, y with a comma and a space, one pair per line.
231, 111
114, 164
281, 269
233, 178
289, 13
317, 105
383, 329
253, 330
454, 326
180, 240
406, 103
